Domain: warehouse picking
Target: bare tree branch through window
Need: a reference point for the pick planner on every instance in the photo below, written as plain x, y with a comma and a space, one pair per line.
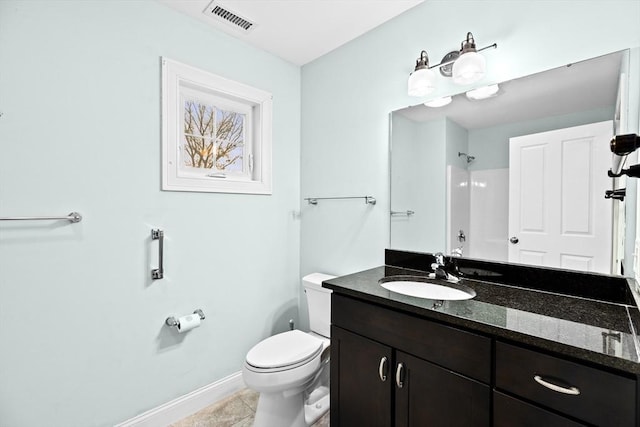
213, 137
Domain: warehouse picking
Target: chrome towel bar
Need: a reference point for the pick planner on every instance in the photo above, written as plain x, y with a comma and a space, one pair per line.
72, 217
402, 213
367, 199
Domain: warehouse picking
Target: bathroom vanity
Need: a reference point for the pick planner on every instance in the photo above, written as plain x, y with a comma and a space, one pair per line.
534, 347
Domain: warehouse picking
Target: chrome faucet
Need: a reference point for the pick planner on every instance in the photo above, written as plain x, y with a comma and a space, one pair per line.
442, 271
438, 267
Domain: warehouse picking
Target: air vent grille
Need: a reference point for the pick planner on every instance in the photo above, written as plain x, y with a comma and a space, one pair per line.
229, 17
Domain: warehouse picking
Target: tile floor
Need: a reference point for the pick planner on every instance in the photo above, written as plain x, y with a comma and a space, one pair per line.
236, 410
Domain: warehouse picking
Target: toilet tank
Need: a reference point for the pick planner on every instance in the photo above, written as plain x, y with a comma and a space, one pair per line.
318, 303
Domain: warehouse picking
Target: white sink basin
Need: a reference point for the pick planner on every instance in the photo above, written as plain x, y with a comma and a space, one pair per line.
423, 287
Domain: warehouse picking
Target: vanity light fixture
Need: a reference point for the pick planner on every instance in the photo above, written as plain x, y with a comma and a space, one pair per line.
470, 65
422, 80
483, 92
465, 66
438, 102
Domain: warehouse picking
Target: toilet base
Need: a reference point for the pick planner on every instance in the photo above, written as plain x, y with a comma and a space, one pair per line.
276, 409
314, 411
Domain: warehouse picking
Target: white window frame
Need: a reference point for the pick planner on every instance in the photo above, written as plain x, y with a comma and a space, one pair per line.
180, 82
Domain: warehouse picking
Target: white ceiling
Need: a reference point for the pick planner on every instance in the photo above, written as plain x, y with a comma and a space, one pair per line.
298, 31
581, 86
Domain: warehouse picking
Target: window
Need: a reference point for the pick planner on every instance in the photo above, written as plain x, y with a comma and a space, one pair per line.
216, 133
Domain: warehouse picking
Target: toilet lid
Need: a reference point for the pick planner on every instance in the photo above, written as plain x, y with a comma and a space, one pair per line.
285, 349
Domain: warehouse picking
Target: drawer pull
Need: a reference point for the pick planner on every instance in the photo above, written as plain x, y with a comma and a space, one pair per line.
573, 391
382, 369
399, 382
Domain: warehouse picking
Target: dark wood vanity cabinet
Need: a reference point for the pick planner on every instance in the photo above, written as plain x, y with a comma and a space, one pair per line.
394, 369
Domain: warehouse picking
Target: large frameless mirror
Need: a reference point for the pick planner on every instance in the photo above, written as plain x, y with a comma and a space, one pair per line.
519, 176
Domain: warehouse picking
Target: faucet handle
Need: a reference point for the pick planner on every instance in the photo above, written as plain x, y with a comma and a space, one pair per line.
439, 258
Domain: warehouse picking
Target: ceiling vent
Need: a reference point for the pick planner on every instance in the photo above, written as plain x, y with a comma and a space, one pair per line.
223, 14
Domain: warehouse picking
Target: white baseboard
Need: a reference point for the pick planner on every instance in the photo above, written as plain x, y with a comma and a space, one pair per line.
188, 404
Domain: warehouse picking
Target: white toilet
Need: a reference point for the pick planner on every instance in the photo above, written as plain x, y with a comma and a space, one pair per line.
290, 370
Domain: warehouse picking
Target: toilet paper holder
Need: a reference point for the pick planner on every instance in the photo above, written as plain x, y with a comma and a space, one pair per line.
173, 321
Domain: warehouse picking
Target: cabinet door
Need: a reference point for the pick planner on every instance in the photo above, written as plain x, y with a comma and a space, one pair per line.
428, 395
361, 381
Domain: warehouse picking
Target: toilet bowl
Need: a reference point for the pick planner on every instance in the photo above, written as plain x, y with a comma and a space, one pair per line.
290, 370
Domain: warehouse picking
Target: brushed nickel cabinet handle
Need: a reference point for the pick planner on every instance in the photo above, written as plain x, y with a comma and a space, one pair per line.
382, 369
399, 369
573, 391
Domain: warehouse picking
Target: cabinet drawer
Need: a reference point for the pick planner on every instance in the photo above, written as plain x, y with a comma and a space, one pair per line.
599, 397
509, 412
452, 348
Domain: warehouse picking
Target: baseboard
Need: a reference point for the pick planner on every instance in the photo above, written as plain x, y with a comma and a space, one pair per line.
188, 404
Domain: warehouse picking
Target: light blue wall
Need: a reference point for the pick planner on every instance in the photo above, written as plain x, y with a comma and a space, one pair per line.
419, 181
457, 141
347, 96
82, 334
404, 176
490, 145
431, 185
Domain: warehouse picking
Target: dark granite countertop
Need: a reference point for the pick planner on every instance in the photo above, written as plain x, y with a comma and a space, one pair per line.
598, 331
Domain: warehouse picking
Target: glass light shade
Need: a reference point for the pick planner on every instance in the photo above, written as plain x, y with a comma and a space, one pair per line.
483, 92
421, 82
469, 68
438, 102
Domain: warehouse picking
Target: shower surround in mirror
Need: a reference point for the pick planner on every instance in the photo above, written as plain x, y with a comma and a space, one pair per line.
478, 204
430, 148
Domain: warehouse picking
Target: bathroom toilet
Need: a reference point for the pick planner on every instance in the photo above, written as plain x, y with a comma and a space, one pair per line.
290, 370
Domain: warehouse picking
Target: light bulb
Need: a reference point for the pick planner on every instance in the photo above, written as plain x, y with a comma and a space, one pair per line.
483, 92
469, 68
421, 82
438, 102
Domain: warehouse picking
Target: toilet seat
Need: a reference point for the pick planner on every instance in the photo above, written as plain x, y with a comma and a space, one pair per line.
283, 351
